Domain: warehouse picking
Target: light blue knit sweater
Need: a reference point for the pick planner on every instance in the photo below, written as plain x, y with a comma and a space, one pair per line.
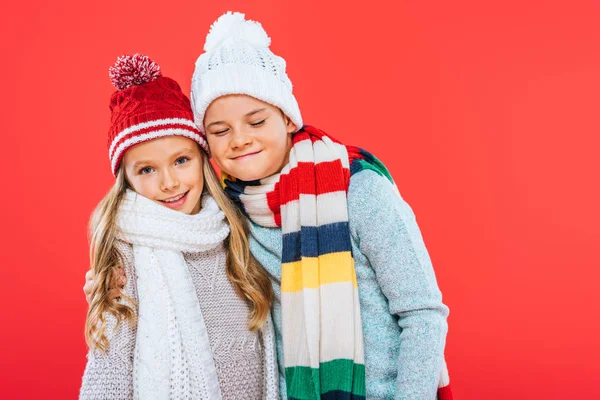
403, 317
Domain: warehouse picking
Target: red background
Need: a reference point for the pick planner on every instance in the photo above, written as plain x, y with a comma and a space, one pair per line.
487, 116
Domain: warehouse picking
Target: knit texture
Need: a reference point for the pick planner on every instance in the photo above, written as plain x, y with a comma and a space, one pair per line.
240, 356
179, 352
146, 106
237, 60
323, 340
403, 317
172, 358
238, 353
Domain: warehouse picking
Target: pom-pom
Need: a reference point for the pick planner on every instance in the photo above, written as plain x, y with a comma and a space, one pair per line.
133, 70
234, 25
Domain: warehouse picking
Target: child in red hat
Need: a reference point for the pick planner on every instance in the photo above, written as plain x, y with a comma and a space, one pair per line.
193, 318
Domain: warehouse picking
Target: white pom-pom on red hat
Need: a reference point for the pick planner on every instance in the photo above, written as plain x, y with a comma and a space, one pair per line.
133, 70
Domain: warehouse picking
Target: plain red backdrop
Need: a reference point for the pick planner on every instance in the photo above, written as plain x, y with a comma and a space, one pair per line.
486, 114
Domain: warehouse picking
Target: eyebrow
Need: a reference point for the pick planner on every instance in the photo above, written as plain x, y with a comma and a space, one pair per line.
183, 150
140, 162
251, 113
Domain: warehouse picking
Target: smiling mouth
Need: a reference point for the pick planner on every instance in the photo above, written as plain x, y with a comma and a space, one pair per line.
246, 155
174, 199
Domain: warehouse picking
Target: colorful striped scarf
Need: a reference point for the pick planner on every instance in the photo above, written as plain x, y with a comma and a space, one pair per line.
321, 323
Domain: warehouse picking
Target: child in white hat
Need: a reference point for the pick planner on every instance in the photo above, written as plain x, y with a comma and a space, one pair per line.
357, 310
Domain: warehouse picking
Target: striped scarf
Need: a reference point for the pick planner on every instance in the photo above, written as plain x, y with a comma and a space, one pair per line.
321, 322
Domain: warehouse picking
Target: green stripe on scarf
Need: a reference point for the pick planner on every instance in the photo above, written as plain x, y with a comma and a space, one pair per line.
371, 163
301, 381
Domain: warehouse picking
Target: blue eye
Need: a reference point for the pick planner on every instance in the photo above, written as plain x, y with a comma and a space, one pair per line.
181, 160
145, 170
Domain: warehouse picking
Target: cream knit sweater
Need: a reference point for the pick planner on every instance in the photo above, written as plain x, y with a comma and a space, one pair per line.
244, 360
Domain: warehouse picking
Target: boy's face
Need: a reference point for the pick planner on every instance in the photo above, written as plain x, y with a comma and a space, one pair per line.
248, 138
167, 170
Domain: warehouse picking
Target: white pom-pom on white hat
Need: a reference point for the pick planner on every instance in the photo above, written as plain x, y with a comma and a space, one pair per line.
237, 60
233, 25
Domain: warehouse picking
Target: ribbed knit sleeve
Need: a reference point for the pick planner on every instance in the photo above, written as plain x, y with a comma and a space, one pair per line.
385, 228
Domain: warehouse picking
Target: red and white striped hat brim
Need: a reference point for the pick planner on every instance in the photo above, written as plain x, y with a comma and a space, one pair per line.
152, 130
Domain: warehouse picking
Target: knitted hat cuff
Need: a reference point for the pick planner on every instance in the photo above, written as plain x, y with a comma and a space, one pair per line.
242, 79
136, 119
153, 127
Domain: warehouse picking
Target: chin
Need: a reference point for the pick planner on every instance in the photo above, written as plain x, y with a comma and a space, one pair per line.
252, 177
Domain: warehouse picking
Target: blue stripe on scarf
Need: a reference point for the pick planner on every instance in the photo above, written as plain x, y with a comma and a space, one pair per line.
234, 195
334, 238
235, 188
341, 395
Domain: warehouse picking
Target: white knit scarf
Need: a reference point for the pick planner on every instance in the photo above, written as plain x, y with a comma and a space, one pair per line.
172, 358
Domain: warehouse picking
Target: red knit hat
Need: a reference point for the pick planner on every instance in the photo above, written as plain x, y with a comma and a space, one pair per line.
146, 106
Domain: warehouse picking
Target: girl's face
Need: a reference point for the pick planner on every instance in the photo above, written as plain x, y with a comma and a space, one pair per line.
167, 170
248, 138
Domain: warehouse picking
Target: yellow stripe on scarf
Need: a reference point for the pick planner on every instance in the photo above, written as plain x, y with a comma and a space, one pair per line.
311, 272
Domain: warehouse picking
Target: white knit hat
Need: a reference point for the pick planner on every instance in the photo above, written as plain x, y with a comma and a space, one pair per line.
237, 60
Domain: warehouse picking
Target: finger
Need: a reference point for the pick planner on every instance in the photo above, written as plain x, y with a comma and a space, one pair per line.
87, 288
88, 295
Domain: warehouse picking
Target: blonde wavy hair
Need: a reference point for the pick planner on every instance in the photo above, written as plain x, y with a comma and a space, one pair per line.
249, 279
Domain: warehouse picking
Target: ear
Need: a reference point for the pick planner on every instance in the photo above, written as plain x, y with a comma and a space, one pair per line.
289, 125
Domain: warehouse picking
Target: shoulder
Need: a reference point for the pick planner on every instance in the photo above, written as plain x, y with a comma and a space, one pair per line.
371, 194
367, 182
375, 207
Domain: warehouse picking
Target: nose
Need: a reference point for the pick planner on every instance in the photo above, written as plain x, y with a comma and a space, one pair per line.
241, 138
169, 180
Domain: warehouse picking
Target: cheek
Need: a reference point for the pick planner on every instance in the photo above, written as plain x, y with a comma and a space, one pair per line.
217, 152
194, 177
283, 145
200, 180
220, 161
145, 186
217, 159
